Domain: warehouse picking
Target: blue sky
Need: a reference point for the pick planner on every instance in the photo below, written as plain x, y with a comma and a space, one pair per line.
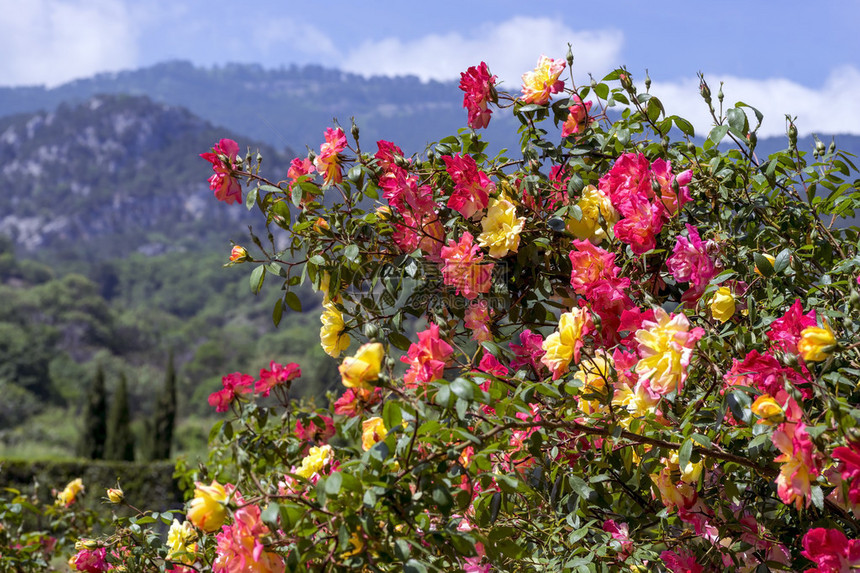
784, 57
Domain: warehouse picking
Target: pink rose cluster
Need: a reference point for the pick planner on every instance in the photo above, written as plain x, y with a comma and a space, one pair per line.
237, 384
420, 226
643, 193
479, 87
223, 159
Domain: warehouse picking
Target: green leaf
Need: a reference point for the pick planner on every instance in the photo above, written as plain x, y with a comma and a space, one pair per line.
463, 388
278, 311
530, 107
738, 120
685, 126
257, 277
817, 497
782, 260
271, 189
293, 301
332, 483
351, 252
399, 341
684, 453
270, 516
495, 504
763, 265
392, 415
413, 566
251, 199
296, 195
581, 488
718, 133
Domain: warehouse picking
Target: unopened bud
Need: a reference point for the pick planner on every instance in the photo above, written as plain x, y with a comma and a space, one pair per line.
371, 331
626, 81
647, 80
115, 495
705, 90
664, 143
753, 139
832, 147
675, 186
593, 83
569, 56
655, 187
720, 93
819, 146
354, 130
691, 147
238, 254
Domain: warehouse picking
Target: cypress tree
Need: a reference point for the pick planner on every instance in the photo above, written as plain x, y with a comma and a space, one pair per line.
164, 418
120, 440
92, 440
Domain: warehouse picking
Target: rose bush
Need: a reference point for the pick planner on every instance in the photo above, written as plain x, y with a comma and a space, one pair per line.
618, 350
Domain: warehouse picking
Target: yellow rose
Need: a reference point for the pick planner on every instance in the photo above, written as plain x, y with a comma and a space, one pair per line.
594, 374
766, 408
816, 343
318, 457
593, 204
357, 545
563, 345
360, 370
332, 336
70, 493
320, 225
501, 228
722, 304
180, 542
208, 509
372, 431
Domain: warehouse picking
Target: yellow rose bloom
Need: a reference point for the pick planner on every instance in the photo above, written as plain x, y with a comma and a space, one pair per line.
562, 346
70, 493
208, 509
593, 204
318, 457
595, 375
816, 344
766, 408
637, 402
332, 336
180, 542
372, 431
666, 347
501, 227
360, 370
722, 304
357, 545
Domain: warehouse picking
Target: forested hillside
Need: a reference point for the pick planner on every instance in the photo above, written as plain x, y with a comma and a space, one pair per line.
111, 254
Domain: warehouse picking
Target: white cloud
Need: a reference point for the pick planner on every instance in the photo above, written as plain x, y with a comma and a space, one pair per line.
285, 34
510, 48
54, 41
831, 108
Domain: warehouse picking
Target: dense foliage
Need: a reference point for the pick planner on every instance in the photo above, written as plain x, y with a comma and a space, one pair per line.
619, 350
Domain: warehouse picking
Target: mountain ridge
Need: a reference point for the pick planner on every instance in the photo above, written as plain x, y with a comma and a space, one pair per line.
119, 170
